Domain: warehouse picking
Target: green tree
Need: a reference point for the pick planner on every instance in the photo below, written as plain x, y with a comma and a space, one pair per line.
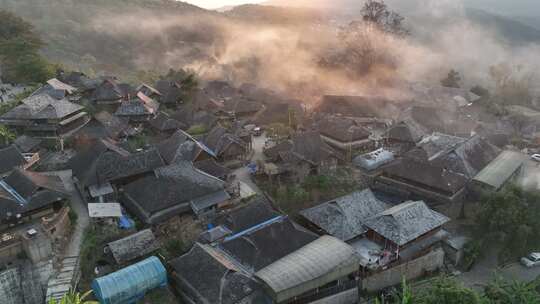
514, 292
510, 218
19, 46
447, 291
74, 298
6, 135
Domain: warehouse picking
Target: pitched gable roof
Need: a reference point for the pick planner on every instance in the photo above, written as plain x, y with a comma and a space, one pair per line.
181, 147
42, 106
28, 191
104, 162
163, 122
26, 143
342, 129
142, 105
344, 217
175, 189
10, 158
424, 173
219, 280
310, 147
219, 139
262, 247
406, 222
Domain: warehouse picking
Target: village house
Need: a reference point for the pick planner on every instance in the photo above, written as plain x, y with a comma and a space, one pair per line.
42, 116
27, 144
288, 114
149, 91
218, 281
176, 189
406, 231
102, 165
344, 217
504, 169
104, 125
210, 166
344, 134
162, 123
269, 259
11, 158
57, 89
226, 146
139, 109
188, 117
133, 247
357, 106
171, 92
82, 82
308, 155
110, 92
403, 136
182, 147
26, 196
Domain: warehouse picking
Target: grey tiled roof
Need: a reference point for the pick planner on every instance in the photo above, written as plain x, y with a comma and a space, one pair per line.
344, 217
10, 158
133, 246
42, 106
173, 186
217, 281
406, 222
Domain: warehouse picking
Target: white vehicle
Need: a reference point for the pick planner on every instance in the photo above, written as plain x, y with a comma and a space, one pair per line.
536, 157
31, 232
532, 260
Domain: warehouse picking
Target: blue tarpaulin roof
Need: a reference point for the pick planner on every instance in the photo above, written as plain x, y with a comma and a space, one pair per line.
130, 284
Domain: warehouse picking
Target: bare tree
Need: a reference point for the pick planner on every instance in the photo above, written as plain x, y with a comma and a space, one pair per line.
365, 43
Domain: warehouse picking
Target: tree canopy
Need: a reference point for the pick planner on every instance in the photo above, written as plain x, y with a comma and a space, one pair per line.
20, 61
510, 218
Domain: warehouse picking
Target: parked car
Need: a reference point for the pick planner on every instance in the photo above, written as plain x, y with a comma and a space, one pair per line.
532, 260
258, 131
536, 157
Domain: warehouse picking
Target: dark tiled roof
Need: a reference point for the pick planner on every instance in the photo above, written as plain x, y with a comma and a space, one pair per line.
181, 147
36, 189
162, 122
407, 131
42, 106
142, 105
175, 189
469, 157
217, 281
344, 217
279, 113
424, 173
113, 125
171, 92
310, 147
133, 246
273, 152
10, 158
405, 222
211, 167
104, 162
108, 90
256, 212
342, 129
262, 247
357, 106
219, 139
26, 143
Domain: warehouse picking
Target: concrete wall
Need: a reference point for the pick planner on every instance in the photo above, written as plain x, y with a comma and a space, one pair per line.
410, 270
38, 248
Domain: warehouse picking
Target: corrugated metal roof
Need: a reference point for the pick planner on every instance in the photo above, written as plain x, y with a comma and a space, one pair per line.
500, 169
314, 265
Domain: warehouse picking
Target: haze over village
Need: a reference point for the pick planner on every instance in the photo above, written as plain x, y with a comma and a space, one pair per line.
269, 152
